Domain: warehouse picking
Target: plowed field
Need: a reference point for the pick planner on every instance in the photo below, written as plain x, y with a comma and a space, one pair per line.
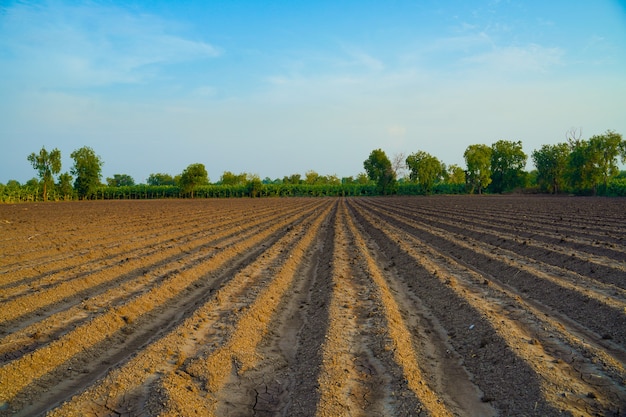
424, 306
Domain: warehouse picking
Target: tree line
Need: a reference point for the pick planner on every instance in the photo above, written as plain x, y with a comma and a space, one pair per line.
576, 166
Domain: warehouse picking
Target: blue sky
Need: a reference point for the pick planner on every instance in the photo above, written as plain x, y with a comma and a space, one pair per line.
282, 87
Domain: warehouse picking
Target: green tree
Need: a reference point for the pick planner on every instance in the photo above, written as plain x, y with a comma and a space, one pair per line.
294, 179
228, 178
47, 165
379, 170
581, 172
607, 148
455, 175
120, 180
593, 162
193, 176
254, 185
65, 186
478, 161
424, 169
87, 169
362, 178
551, 164
507, 166
311, 177
333, 179
161, 179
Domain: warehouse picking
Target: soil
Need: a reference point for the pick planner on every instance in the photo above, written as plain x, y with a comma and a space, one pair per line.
403, 306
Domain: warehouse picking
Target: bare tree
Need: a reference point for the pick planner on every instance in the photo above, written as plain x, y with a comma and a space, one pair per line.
398, 164
574, 135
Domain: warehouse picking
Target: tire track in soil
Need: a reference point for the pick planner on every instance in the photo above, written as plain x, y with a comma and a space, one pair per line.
112, 328
212, 330
490, 336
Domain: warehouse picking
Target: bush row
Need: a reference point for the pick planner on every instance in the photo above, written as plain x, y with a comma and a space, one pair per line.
25, 193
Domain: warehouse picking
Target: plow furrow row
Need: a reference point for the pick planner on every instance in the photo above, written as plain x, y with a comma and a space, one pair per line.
461, 306
90, 282
110, 326
114, 247
576, 296
521, 336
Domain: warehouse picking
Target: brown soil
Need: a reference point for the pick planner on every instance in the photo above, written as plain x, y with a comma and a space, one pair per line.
421, 306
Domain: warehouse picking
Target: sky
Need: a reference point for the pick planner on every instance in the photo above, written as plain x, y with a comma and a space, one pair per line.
276, 88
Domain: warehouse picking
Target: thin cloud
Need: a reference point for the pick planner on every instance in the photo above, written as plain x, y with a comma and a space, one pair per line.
83, 46
359, 59
516, 59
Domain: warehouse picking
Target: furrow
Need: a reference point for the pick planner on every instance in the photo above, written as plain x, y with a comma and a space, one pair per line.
163, 370
529, 229
514, 270
17, 375
611, 264
63, 263
338, 381
90, 280
505, 329
404, 350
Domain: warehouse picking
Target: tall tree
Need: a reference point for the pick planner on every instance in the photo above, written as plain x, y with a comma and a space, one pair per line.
379, 169
594, 162
607, 148
398, 164
424, 169
507, 165
87, 169
47, 165
193, 176
581, 171
478, 161
362, 178
551, 164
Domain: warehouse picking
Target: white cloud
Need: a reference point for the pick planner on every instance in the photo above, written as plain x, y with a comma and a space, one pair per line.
56, 45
